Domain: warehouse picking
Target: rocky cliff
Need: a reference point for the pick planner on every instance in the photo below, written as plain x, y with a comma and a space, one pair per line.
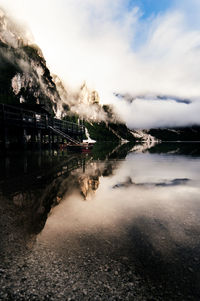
24, 76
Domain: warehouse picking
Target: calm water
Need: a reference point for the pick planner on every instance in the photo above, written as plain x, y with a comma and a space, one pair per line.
121, 223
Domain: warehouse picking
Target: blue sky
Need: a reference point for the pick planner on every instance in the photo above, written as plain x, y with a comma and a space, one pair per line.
151, 7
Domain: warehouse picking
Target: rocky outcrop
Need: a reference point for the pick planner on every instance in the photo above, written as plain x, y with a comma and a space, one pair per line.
24, 75
177, 134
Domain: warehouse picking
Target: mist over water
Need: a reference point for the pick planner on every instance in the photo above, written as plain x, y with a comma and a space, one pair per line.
150, 187
75, 224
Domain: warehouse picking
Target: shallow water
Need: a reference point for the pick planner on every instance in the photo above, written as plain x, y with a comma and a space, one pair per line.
116, 224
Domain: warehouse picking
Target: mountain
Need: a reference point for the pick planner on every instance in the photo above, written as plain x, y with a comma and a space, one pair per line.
24, 76
157, 135
177, 134
110, 131
26, 80
188, 133
129, 98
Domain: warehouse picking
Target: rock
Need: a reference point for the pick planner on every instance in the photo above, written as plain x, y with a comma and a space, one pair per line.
107, 269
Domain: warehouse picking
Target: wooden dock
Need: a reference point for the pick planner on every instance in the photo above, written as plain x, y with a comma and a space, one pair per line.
24, 128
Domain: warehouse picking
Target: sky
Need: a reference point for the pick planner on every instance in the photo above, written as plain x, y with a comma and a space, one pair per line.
140, 48
151, 7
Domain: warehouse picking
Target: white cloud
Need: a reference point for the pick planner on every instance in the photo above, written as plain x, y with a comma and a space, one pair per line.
153, 113
97, 41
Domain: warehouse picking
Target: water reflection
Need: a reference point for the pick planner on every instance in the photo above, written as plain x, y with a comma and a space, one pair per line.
173, 182
136, 215
33, 183
152, 181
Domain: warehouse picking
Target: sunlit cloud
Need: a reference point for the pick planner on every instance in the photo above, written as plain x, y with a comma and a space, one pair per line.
114, 50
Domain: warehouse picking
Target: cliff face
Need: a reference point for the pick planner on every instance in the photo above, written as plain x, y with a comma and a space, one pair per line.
24, 76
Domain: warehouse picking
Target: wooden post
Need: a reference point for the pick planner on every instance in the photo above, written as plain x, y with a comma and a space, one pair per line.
25, 164
6, 140
7, 166
33, 139
42, 139
39, 136
49, 140
23, 139
40, 160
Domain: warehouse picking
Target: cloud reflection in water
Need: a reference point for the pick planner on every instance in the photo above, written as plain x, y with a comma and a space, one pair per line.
166, 211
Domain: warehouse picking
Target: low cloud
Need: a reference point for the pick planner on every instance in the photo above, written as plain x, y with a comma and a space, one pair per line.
147, 113
114, 50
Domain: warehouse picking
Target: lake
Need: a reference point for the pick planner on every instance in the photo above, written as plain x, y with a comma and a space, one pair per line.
120, 223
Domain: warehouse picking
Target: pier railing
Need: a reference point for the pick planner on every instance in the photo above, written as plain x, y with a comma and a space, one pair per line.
14, 116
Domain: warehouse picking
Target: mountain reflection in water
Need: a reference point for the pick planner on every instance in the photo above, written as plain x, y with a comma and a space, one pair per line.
120, 220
